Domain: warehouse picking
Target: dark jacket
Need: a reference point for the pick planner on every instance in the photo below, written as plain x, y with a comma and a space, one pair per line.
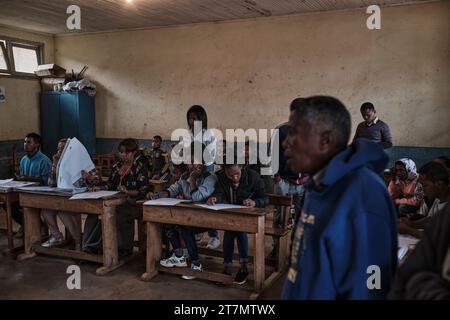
250, 184
426, 272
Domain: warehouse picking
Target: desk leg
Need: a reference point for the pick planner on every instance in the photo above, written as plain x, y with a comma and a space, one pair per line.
154, 248
9, 225
109, 236
258, 263
32, 232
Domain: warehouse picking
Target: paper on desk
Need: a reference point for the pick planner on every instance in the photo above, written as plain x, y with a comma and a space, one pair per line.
6, 181
74, 159
94, 195
164, 202
221, 206
16, 184
66, 191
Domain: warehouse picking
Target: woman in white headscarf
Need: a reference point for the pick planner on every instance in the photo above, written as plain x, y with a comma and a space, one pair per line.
405, 189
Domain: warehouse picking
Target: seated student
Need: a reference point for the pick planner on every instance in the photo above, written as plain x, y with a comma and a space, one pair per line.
425, 275
444, 160
388, 176
197, 185
129, 176
267, 179
237, 185
177, 171
34, 167
67, 218
434, 178
158, 160
405, 189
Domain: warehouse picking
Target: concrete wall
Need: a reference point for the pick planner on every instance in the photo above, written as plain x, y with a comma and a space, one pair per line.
19, 114
246, 73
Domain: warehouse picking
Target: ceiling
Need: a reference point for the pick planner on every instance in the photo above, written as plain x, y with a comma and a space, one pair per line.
49, 16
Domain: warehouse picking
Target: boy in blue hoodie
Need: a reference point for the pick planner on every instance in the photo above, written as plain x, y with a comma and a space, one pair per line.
344, 242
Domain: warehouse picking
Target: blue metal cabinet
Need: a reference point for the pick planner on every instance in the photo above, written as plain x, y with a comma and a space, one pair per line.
67, 115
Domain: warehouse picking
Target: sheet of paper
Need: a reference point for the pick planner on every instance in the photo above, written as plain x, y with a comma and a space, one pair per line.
6, 181
94, 195
164, 202
16, 184
220, 206
73, 159
66, 191
406, 241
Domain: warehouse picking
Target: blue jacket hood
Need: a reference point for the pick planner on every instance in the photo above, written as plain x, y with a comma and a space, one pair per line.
361, 153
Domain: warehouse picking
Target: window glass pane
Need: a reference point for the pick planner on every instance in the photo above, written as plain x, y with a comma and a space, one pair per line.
25, 60
2, 57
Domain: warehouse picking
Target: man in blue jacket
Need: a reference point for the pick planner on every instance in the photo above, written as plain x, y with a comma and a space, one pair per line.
344, 242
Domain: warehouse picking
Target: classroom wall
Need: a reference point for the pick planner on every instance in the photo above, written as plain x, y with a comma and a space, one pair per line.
19, 115
246, 73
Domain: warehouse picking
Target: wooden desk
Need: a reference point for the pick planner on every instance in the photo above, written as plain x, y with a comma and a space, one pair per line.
32, 202
8, 196
249, 220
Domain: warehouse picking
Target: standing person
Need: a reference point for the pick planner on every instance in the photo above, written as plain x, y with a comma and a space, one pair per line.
373, 128
286, 183
34, 167
197, 113
347, 226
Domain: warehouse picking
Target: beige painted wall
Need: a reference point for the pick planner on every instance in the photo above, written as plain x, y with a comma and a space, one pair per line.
246, 73
19, 115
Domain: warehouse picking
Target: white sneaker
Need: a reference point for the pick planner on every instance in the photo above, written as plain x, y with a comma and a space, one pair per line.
193, 267
174, 261
213, 243
185, 253
53, 241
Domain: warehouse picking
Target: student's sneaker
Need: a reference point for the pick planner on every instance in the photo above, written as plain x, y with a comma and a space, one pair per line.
193, 267
53, 241
213, 243
185, 253
174, 261
241, 277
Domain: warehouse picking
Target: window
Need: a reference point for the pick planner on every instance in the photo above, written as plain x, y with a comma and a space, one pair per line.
19, 58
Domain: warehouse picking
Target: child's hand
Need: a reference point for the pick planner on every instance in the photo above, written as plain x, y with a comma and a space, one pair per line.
249, 203
150, 195
211, 201
123, 189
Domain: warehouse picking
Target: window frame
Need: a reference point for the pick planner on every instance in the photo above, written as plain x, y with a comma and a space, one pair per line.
11, 72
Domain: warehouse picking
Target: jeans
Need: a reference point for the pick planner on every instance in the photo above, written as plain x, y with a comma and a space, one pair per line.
188, 235
228, 247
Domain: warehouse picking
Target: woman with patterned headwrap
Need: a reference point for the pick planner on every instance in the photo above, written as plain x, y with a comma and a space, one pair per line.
405, 189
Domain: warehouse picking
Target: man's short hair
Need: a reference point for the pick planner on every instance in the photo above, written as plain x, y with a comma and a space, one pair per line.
129, 144
367, 106
36, 138
435, 172
157, 137
327, 113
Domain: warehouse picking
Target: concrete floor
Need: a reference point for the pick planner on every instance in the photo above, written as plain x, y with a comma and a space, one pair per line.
44, 277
